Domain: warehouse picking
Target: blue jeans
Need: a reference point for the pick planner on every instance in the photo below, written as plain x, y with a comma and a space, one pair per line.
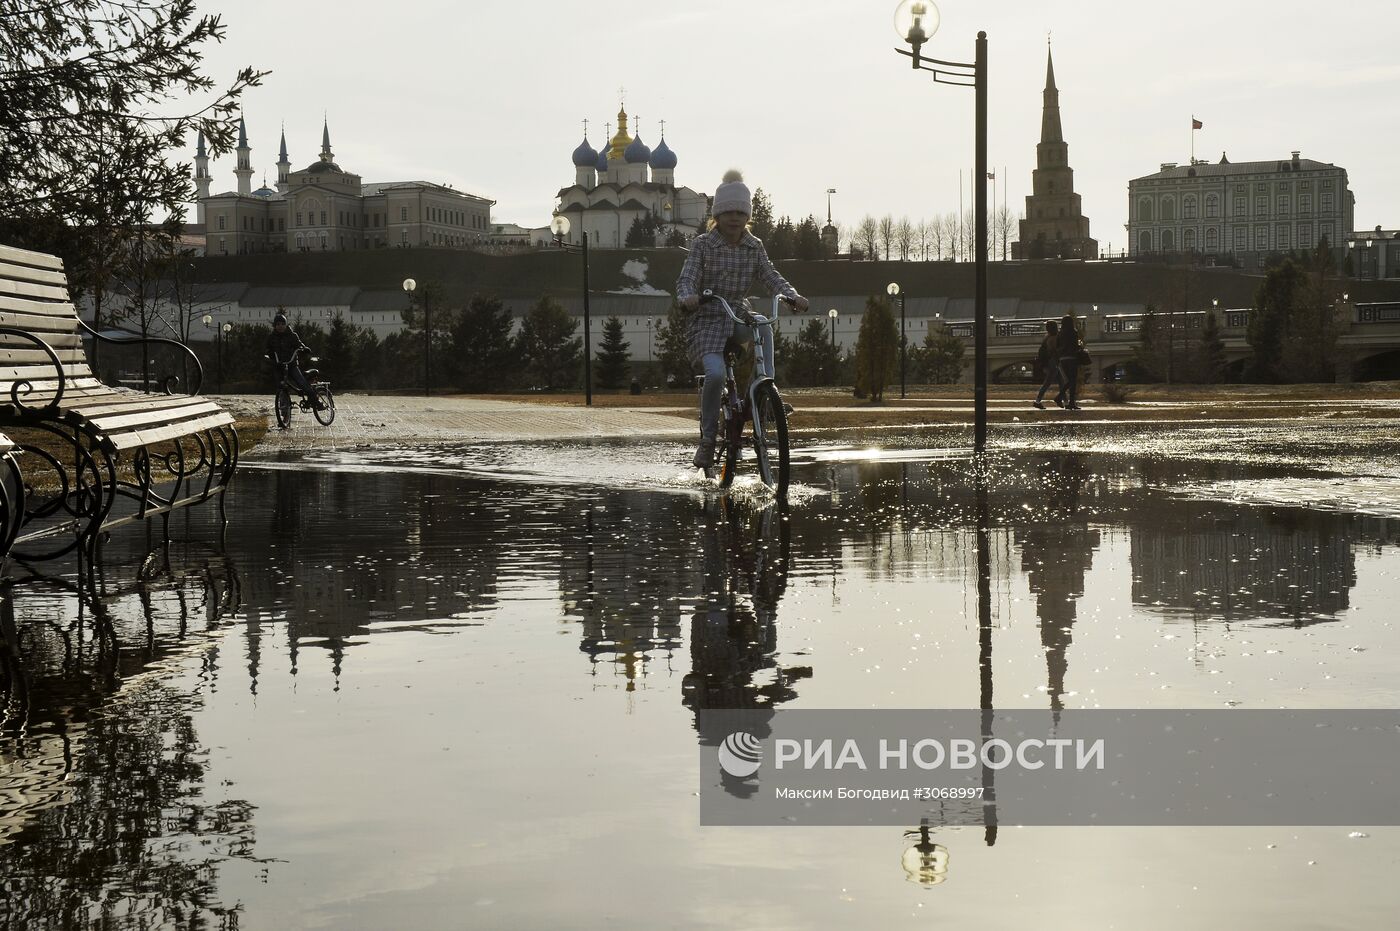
713, 363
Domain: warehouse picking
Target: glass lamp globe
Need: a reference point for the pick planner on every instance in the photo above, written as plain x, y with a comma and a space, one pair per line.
409, 284
560, 226
892, 289
916, 21
832, 313
208, 320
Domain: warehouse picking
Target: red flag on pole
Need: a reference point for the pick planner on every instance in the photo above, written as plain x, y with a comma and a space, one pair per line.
1195, 123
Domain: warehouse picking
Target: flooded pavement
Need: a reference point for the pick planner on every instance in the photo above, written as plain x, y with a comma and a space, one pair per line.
458, 686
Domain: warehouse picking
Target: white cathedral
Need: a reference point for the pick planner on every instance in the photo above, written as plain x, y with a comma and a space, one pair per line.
625, 181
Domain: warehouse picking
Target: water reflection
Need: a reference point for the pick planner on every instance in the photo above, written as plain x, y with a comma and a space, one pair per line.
745, 559
941, 582
106, 818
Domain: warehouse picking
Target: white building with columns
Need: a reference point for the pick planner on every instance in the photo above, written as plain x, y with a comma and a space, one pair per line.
1250, 210
628, 180
323, 207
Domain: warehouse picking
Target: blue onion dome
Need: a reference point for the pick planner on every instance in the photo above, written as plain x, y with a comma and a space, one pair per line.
584, 156
662, 157
264, 191
603, 159
637, 152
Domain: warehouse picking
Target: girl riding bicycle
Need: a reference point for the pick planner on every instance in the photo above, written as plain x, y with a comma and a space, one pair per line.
726, 260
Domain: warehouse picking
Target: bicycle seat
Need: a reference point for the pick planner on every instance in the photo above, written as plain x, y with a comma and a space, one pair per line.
311, 373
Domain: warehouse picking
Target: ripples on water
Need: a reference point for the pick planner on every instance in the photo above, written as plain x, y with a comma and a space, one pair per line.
458, 687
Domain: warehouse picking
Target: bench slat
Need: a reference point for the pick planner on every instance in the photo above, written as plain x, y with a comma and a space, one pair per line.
98, 406
120, 421
12, 358
31, 289
165, 434
29, 305
29, 273
26, 257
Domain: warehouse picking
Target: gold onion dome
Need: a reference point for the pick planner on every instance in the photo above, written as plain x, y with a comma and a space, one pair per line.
620, 139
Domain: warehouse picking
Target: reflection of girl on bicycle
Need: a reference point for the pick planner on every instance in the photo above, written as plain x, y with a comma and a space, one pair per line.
726, 260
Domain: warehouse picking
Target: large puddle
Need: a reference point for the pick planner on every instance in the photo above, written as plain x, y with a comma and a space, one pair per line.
446, 688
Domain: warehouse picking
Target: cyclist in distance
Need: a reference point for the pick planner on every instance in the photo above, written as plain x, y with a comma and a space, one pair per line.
725, 259
283, 344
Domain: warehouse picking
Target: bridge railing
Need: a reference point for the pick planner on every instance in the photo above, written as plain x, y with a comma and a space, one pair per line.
1386, 312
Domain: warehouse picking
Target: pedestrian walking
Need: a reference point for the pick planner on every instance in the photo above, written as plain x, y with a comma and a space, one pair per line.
1048, 361
1072, 354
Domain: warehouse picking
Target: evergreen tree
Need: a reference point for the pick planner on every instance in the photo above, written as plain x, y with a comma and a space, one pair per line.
1292, 327
1149, 362
642, 233
483, 355
783, 243
348, 353
671, 349
877, 349
547, 345
613, 355
1210, 357
811, 359
761, 220
939, 361
809, 240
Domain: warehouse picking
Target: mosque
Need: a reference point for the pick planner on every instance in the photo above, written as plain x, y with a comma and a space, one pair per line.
625, 181
324, 208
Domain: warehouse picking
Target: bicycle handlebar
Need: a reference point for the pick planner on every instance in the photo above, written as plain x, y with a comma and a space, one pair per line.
757, 317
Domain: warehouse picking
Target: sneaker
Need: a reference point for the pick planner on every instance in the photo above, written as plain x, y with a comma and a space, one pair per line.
705, 454
1038, 405
1059, 402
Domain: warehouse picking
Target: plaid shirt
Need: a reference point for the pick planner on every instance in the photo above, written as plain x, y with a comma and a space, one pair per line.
729, 271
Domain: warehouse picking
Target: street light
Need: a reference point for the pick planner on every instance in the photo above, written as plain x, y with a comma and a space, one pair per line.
410, 286
916, 21
560, 226
831, 315
892, 289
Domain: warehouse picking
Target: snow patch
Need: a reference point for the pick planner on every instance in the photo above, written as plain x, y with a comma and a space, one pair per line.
636, 269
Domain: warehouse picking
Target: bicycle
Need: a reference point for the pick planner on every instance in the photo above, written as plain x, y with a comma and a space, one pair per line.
321, 390
763, 406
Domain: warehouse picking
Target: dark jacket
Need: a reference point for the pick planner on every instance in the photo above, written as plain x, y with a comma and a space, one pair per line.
282, 347
1068, 343
1048, 354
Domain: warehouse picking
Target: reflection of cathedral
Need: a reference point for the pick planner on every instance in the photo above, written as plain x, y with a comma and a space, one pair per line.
625, 182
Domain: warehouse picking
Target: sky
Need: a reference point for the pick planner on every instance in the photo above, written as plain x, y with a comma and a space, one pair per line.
489, 96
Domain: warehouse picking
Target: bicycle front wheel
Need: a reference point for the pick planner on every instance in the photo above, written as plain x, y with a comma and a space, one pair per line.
283, 407
326, 413
770, 438
731, 428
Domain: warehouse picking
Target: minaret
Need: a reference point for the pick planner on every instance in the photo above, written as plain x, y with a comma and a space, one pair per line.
284, 166
201, 178
1055, 226
245, 165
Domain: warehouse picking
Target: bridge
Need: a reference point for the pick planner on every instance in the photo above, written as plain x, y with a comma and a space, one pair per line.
1368, 345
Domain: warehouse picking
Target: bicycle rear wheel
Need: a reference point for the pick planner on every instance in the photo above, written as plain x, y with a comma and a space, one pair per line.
327, 412
770, 438
282, 405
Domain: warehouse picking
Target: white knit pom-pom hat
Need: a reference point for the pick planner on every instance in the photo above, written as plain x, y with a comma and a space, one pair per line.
733, 194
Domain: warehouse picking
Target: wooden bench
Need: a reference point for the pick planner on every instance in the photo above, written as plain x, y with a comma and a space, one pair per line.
160, 451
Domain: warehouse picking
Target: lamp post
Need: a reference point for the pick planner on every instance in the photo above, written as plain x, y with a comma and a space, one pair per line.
560, 226
916, 21
892, 289
410, 286
832, 315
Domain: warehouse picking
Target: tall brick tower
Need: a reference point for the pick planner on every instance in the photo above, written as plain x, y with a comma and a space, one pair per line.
1055, 226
